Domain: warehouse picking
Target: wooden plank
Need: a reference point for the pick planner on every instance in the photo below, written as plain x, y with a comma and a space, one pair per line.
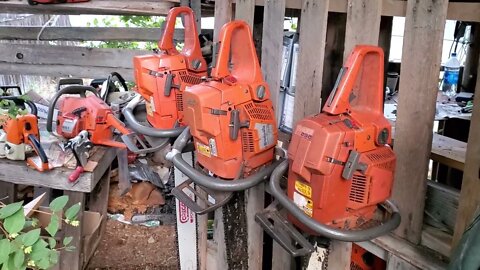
223, 14
87, 33
396, 263
313, 31
339, 255
245, 10
7, 192
254, 199
272, 46
424, 26
73, 260
17, 172
363, 24
195, 5
448, 151
441, 206
469, 199
412, 254
437, 240
118, 7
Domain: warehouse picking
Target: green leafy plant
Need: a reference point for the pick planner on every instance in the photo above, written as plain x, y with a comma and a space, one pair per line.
22, 244
11, 109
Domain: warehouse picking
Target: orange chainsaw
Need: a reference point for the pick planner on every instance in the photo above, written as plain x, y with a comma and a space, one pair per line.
232, 121
340, 163
88, 113
162, 78
19, 133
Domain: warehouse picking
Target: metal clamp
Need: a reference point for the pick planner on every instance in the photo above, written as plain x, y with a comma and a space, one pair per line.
286, 235
219, 198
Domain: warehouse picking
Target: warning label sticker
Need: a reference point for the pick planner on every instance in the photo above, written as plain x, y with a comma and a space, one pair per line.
303, 203
265, 133
303, 189
204, 149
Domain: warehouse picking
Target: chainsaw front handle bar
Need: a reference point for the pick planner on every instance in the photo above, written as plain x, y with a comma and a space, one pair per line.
141, 129
33, 107
69, 90
209, 182
322, 229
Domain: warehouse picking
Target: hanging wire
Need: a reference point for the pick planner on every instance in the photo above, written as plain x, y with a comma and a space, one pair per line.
52, 21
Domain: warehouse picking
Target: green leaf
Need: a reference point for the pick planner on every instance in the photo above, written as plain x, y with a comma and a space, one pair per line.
10, 209
15, 222
4, 250
31, 237
72, 211
39, 250
67, 240
18, 259
52, 242
59, 203
70, 248
44, 263
54, 256
52, 227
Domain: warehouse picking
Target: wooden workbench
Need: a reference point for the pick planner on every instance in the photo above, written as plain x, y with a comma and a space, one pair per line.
95, 184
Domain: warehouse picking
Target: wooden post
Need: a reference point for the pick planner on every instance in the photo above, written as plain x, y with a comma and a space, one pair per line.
195, 5
223, 14
313, 31
422, 46
339, 255
73, 260
469, 199
363, 23
272, 45
245, 10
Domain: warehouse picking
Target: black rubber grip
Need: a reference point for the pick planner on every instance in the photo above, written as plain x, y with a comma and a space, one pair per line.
38, 148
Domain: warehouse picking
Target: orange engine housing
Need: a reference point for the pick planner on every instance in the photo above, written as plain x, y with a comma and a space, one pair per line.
161, 78
92, 114
18, 129
231, 117
323, 147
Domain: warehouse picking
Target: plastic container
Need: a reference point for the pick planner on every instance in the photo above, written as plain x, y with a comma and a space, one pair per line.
450, 77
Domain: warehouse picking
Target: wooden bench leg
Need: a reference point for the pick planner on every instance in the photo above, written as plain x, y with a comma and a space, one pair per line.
7, 192
72, 260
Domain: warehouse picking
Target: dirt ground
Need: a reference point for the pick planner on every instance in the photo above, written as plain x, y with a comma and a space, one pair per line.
132, 247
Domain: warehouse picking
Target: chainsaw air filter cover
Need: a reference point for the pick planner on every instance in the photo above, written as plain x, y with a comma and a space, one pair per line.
161, 78
341, 164
231, 117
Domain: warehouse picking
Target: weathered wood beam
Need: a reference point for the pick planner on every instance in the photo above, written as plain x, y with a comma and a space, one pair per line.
422, 47
469, 200
245, 10
87, 33
49, 60
223, 14
120, 7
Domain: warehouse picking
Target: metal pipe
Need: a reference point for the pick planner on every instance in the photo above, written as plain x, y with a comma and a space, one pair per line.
322, 229
213, 182
141, 129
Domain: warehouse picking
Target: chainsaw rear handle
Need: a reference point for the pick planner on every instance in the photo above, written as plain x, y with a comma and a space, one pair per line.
322, 229
19, 99
191, 46
69, 90
237, 48
110, 82
213, 182
37, 147
141, 129
370, 60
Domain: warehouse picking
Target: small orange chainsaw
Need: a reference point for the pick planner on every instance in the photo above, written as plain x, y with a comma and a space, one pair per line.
21, 132
340, 163
88, 113
232, 121
162, 78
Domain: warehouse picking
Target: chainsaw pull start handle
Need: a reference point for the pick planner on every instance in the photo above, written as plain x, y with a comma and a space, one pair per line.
191, 48
237, 48
69, 90
364, 71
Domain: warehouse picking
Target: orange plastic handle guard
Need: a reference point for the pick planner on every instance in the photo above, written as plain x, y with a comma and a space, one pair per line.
191, 47
237, 48
363, 70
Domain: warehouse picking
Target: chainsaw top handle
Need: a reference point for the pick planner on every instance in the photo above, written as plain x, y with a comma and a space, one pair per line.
237, 56
110, 83
191, 48
22, 100
322, 229
69, 90
362, 71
